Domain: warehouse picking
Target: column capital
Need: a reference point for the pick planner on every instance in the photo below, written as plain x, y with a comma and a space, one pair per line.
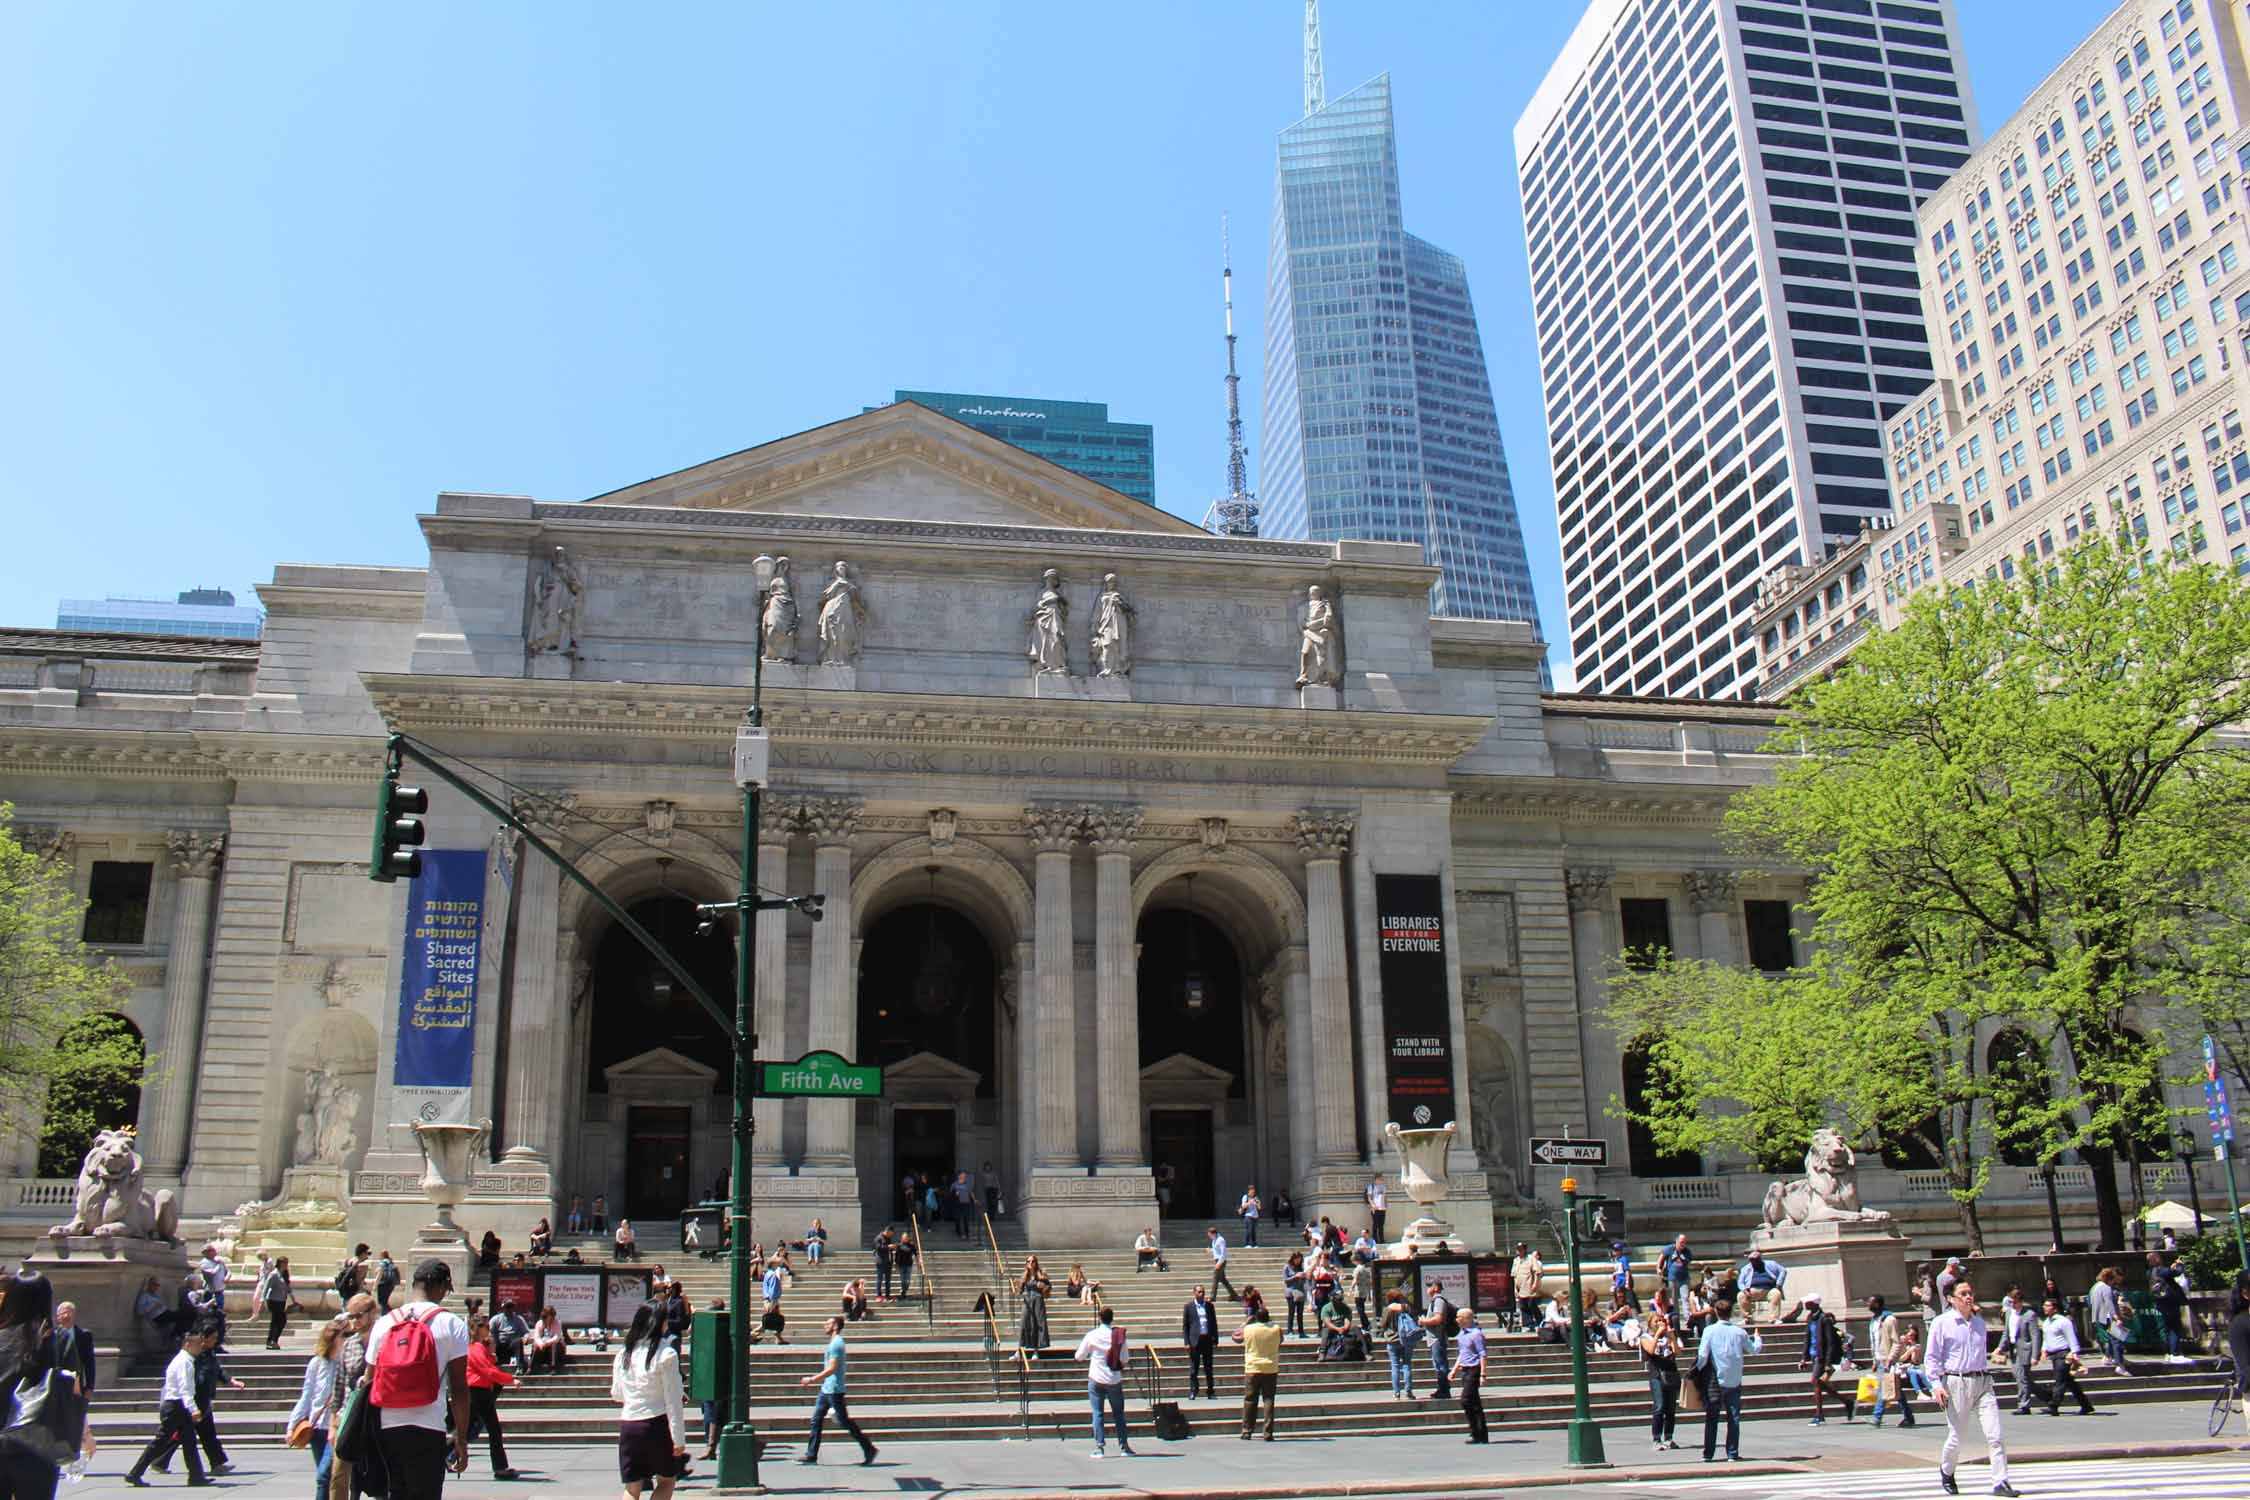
1587, 886
1111, 827
195, 856
1053, 826
1323, 833
548, 814
780, 815
832, 820
45, 841
1711, 890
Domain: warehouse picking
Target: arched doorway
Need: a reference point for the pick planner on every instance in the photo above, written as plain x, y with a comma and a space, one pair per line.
927, 980
97, 1088
1194, 1063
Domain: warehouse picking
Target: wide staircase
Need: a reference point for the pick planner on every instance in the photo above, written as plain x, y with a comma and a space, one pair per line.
935, 1367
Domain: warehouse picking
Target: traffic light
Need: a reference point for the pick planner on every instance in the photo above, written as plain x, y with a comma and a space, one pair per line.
397, 828
1602, 1220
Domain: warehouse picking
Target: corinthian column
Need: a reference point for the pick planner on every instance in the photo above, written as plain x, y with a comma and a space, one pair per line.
1117, 999
835, 1004
1323, 837
1711, 893
1587, 889
165, 1109
1053, 1011
538, 1008
779, 816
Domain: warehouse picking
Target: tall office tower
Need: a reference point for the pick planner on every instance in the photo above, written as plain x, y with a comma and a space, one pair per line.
1719, 202
211, 612
1075, 434
1378, 420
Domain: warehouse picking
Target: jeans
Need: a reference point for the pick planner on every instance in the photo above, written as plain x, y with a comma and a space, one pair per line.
1663, 1404
2174, 1331
322, 1463
1249, 1229
1727, 1399
882, 1275
833, 1401
1375, 1219
1296, 1317
1402, 1369
1909, 1381
812, 1250
1113, 1397
1441, 1360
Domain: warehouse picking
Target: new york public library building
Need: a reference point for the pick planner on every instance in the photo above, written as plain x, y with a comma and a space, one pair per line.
1106, 812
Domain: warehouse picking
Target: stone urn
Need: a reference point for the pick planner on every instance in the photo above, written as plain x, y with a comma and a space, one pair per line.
449, 1154
1422, 1173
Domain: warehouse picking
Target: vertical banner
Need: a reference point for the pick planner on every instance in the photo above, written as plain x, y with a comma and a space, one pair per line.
1417, 1022
437, 993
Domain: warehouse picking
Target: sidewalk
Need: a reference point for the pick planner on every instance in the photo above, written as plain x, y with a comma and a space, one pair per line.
1048, 1468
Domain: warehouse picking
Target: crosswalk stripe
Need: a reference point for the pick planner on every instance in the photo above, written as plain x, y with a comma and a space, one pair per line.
2190, 1479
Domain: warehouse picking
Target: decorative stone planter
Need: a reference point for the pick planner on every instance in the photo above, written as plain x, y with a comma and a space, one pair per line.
1422, 1173
449, 1155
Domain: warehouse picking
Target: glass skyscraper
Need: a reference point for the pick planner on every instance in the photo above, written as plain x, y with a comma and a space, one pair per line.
1378, 420
210, 612
1075, 434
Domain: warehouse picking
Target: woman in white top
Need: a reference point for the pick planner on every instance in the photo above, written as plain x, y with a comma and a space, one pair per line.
321, 1374
652, 1428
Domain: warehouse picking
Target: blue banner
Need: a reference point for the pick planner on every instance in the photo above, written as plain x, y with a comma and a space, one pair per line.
437, 1001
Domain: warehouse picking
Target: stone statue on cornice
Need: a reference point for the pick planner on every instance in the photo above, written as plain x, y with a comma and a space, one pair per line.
1318, 662
556, 602
1049, 649
777, 621
842, 611
1113, 631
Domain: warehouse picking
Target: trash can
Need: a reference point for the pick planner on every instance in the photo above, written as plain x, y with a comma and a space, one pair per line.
710, 1357
2144, 1325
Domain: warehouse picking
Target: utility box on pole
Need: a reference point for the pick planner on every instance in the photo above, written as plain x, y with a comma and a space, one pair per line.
710, 1360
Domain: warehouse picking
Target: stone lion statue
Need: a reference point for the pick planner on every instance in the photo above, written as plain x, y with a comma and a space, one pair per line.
1828, 1190
111, 1200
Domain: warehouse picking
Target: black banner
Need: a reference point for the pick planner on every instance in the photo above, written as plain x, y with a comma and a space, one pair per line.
1417, 1028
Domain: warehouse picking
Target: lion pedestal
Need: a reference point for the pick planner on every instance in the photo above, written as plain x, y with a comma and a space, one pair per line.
1817, 1231
103, 1276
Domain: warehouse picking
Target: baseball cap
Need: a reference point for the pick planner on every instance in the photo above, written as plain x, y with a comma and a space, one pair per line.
433, 1272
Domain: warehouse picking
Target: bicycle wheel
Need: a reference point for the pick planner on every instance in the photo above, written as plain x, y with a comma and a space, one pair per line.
2220, 1407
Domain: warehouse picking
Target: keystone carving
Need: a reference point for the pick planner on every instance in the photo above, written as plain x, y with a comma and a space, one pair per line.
944, 823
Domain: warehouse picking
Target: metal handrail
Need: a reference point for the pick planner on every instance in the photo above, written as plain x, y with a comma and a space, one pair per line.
929, 1282
999, 1266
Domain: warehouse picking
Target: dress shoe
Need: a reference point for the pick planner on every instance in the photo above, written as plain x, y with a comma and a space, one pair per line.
136, 1481
870, 1458
2005, 1488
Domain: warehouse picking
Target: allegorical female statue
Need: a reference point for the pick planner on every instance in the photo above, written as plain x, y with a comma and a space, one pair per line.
1318, 662
1113, 631
777, 621
555, 604
1050, 618
842, 612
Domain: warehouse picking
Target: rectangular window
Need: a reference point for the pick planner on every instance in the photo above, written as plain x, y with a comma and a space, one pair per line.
117, 901
1646, 926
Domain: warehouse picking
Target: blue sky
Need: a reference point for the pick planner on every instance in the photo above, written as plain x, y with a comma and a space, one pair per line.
271, 276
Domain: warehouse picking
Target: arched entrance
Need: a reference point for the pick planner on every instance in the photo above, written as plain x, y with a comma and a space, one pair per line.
926, 1015
97, 1088
1194, 1071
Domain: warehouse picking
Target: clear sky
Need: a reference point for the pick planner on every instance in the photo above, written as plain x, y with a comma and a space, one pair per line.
273, 275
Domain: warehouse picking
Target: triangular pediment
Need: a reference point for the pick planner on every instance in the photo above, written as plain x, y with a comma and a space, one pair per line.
1182, 1070
899, 463
928, 1072
659, 1063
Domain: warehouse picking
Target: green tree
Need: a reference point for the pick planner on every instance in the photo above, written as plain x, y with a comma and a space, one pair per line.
51, 989
2029, 794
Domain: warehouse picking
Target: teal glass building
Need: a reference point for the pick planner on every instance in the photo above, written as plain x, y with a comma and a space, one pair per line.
1075, 434
1378, 418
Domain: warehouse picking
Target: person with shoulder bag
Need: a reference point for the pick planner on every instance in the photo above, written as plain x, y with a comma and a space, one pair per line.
307, 1423
46, 1405
1660, 1356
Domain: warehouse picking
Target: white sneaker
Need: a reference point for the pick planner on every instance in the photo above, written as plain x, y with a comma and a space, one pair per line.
1099, 1453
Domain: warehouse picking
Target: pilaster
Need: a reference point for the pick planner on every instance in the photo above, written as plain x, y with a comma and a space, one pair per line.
780, 817
832, 822
1712, 895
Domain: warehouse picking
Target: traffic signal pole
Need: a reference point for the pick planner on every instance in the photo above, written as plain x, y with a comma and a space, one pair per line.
1585, 1434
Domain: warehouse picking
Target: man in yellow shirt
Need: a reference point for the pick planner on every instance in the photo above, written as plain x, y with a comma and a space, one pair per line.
1261, 1368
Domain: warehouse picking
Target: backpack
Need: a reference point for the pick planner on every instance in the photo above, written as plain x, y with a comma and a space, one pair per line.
386, 1275
406, 1364
347, 1281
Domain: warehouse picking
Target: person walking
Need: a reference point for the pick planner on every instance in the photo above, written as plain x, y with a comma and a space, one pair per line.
176, 1414
314, 1397
1437, 1319
1675, 1267
1219, 1262
830, 1378
964, 1202
1823, 1350
1660, 1357
2019, 1341
1883, 1348
1199, 1331
644, 1381
902, 1260
486, 1381
2105, 1313
2168, 1284
2059, 1340
274, 1294
1402, 1338
1293, 1293
1527, 1272
1378, 1204
1960, 1374
386, 1282
74, 1349
1719, 1355
1102, 1351
1261, 1369
883, 1264
209, 1376
357, 1318
419, 1357
1468, 1368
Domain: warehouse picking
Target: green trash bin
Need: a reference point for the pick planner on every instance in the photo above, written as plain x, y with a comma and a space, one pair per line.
710, 1361
2144, 1325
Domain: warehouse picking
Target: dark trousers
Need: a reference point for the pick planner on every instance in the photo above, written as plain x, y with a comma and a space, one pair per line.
1472, 1403
1527, 1313
173, 1430
1200, 1355
1254, 1389
1375, 1217
551, 1356
962, 1213
882, 1275
1296, 1317
1718, 1399
1219, 1279
484, 1411
25, 1476
207, 1433
2061, 1383
834, 1402
415, 1457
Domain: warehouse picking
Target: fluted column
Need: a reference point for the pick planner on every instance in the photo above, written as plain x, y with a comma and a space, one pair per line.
1111, 829
779, 817
1712, 894
832, 821
538, 1009
1587, 889
1323, 837
166, 1109
1053, 1009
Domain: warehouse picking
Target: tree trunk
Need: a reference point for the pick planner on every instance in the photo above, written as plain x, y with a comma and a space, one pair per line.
1971, 1225
2109, 1208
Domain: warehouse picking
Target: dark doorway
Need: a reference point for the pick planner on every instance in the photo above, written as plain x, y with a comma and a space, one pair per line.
656, 1161
925, 985
1181, 1140
922, 1141
1191, 995
639, 1005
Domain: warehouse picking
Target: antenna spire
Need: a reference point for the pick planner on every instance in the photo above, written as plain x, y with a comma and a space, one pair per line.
1236, 514
1316, 85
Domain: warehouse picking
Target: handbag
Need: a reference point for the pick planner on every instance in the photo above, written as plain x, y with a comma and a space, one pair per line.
1869, 1387
300, 1434
1887, 1388
46, 1418
1691, 1395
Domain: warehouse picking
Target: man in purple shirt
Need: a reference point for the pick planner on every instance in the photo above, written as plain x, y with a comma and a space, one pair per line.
1468, 1368
1959, 1367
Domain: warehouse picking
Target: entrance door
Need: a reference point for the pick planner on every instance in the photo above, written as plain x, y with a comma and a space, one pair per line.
1181, 1138
656, 1161
921, 1141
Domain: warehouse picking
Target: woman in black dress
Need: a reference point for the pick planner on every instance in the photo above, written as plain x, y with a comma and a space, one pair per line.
1033, 1287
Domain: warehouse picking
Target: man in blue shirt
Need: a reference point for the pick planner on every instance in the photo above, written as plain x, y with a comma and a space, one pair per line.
1718, 1372
1468, 1368
830, 1378
1676, 1265
1760, 1280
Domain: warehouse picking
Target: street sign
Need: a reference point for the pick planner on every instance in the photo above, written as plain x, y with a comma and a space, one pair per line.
818, 1075
2222, 1115
2210, 1059
1556, 1151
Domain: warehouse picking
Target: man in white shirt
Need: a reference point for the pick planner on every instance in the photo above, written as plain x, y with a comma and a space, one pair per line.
213, 1270
1148, 1252
1103, 1350
1378, 1202
177, 1414
2019, 1340
2059, 1338
414, 1437
1219, 1263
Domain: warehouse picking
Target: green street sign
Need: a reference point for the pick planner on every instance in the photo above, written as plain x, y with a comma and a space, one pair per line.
818, 1075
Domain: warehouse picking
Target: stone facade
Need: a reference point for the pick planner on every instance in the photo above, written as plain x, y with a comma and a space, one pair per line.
932, 781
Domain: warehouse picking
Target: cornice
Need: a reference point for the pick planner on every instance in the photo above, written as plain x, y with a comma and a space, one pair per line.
708, 714
1577, 803
112, 645
132, 755
299, 601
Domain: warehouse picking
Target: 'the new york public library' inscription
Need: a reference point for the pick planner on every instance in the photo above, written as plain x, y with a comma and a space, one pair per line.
1047, 765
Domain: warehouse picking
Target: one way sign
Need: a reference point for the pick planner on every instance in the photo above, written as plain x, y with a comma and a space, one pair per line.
1556, 1151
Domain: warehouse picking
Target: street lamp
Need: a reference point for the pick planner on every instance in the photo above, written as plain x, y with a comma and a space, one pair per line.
1585, 1434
